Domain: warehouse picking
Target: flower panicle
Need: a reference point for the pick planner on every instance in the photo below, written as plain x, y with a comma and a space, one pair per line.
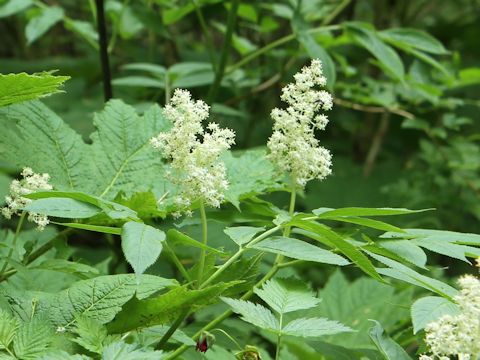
194, 152
293, 146
457, 335
16, 200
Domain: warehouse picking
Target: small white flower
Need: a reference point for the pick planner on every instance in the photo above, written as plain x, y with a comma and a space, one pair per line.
293, 146
16, 201
194, 152
458, 335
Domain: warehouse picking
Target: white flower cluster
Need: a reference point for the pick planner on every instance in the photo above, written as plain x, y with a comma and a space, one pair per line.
293, 146
458, 335
194, 152
16, 201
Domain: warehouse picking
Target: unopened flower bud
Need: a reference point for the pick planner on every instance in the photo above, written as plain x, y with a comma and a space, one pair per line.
205, 341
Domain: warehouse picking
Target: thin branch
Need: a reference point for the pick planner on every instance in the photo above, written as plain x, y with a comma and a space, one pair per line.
227, 44
376, 144
103, 49
206, 33
336, 12
373, 109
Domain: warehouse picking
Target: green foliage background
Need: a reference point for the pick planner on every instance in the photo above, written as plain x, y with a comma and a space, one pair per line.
404, 132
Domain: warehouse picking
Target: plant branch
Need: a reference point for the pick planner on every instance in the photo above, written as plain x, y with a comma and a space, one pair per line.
279, 339
225, 314
177, 261
37, 253
227, 44
203, 253
336, 12
373, 109
275, 44
103, 49
276, 266
376, 144
206, 34
163, 341
239, 253
14, 243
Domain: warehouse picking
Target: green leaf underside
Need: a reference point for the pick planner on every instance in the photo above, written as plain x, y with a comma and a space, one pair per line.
364, 35
63, 207
326, 213
110, 208
415, 38
407, 250
399, 271
174, 236
141, 245
389, 349
164, 308
300, 250
242, 234
40, 24
102, 297
320, 232
89, 227
374, 224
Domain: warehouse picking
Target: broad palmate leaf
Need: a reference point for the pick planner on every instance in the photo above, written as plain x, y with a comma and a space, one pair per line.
120, 158
8, 326
44, 142
32, 339
101, 298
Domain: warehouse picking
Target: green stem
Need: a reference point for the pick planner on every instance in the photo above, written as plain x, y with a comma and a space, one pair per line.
163, 341
227, 44
36, 254
226, 314
229, 337
276, 266
167, 88
291, 208
279, 340
177, 262
335, 12
275, 44
206, 34
103, 49
239, 253
201, 265
14, 243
